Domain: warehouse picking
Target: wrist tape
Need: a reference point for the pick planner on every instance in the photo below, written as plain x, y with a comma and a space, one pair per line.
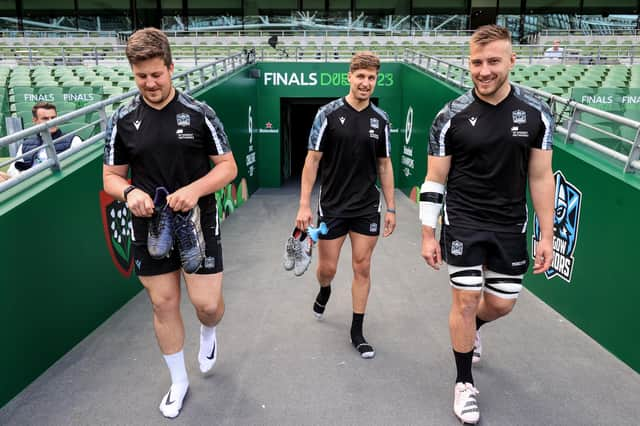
431, 197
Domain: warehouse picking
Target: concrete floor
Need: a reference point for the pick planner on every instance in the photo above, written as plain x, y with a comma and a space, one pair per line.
279, 366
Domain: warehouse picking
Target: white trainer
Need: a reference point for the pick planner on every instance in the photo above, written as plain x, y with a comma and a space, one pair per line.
171, 403
302, 250
208, 354
288, 259
465, 403
477, 349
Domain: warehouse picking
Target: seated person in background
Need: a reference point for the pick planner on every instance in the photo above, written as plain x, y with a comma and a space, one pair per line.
554, 51
42, 112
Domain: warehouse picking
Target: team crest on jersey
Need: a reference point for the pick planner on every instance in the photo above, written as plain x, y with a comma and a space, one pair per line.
374, 123
568, 203
457, 248
183, 119
519, 116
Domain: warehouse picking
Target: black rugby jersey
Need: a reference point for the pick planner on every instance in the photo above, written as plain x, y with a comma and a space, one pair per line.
351, 142
489, 147
168, 147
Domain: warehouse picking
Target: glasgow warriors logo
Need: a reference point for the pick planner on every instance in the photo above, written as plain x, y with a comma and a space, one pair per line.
565, 228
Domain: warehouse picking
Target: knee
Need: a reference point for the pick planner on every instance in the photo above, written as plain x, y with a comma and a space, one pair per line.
163, 306
502, 307
466, 303
209, 308
362, 268
326, 272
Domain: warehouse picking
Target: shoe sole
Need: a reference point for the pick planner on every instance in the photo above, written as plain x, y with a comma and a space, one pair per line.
365, 355
299, 274
465, 422
318, 316
179, 409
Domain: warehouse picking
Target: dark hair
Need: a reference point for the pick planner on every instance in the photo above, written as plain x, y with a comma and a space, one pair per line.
43, 105
363, 60
489, 33
148, 43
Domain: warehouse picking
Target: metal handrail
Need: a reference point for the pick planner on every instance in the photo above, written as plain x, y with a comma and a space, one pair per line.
37, 53
205, 74
567, 113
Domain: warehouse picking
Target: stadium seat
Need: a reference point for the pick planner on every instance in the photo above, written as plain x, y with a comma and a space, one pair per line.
554, 90
27, 118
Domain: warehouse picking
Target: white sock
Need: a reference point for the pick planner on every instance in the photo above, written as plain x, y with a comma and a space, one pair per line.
177, 369
208, 353
172, 401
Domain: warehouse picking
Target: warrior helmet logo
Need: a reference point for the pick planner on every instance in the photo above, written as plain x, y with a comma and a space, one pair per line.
568, 202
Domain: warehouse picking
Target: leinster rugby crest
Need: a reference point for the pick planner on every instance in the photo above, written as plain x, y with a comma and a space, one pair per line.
183, 119
568, 203
519, 116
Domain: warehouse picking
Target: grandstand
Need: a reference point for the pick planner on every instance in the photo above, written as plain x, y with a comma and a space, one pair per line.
593, 90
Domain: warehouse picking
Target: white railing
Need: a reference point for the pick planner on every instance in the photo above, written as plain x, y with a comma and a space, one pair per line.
188, 81
571, 117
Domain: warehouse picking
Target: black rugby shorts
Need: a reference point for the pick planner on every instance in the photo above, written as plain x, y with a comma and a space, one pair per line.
339, 226
501, 252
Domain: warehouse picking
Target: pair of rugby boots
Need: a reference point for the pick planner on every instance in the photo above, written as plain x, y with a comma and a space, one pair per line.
297, 252
167, 227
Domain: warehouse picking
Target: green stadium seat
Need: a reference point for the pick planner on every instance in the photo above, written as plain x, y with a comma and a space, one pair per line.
27, 118
534, 83
50, 91
613, 83
563, 83
65, 107
24, 106
554, 90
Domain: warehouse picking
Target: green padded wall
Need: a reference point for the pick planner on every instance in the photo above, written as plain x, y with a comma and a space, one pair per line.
59, 281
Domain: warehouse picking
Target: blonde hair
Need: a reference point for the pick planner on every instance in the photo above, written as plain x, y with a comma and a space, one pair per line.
489, 33
148, 43
363, 60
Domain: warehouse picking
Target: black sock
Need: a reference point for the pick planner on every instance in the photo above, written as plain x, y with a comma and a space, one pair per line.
480, 322
356, 328
463, 366
322, 299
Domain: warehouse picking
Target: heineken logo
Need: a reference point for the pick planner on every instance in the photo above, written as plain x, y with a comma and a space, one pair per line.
116, 221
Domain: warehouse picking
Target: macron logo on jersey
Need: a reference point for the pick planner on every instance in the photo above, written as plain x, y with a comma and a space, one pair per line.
473, 120
342, 120
137, 124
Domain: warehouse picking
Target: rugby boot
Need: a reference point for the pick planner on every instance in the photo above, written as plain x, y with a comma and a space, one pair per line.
477, 349
302, 254
160, 235
465, 403
288, 259
190, 239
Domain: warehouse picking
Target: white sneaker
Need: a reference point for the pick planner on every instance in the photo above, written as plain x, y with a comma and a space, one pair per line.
171, 403
302, 254
465, 404
208, 355
288, 258
477, 348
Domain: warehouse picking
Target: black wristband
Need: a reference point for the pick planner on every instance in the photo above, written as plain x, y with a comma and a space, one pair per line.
127, 190
391, 211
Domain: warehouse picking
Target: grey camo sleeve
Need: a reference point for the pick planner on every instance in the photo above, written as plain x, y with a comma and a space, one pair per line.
220, 142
